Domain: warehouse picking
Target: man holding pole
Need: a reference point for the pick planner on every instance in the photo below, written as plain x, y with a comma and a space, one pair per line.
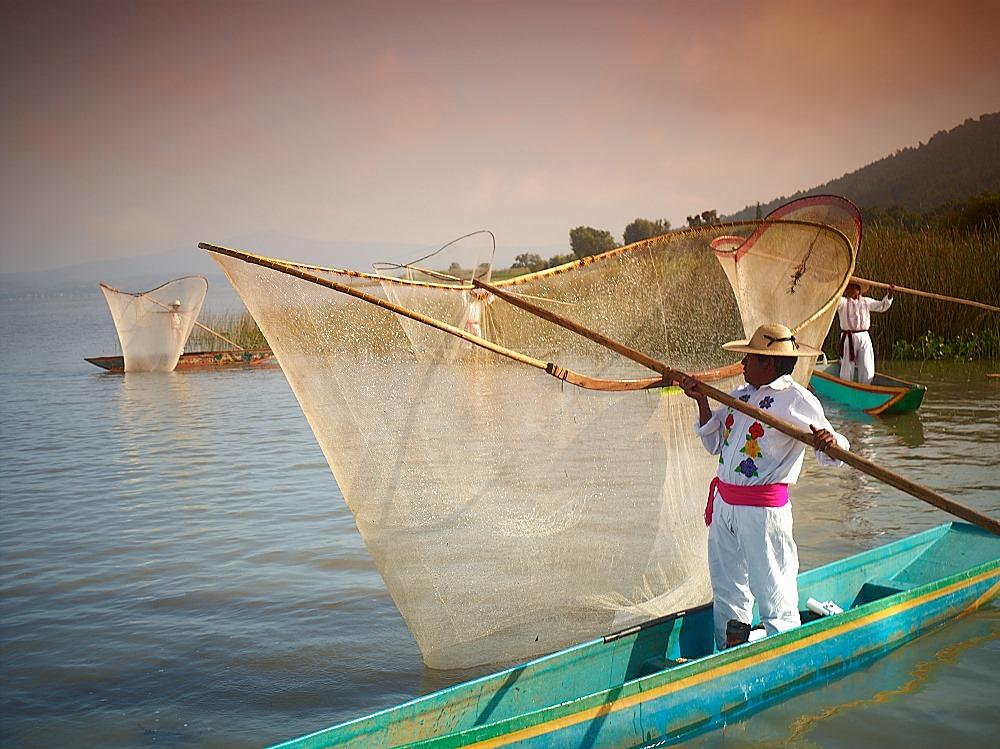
751, 553
854, 314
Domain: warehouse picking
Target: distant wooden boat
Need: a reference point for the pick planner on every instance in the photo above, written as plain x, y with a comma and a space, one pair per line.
197, 360
662, 682
885, 395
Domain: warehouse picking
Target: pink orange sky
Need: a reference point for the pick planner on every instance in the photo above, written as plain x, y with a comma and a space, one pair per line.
135, 127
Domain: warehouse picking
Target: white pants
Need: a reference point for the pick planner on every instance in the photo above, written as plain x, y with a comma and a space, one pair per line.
864, 353
475, 329
751, 555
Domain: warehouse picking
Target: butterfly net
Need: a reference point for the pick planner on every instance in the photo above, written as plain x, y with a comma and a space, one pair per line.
799, 277
510, 513
153, 326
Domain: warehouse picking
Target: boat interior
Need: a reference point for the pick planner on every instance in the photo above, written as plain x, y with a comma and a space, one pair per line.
667, 642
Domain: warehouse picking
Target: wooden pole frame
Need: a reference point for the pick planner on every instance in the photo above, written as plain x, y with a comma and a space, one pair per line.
667, 376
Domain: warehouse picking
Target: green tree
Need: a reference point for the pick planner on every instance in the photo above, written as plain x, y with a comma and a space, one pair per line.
586, 240
705, 218
557, 260
529, 260
643, 228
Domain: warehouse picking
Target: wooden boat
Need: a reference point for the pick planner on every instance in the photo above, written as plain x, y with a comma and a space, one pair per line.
661, 681
197, 360
885, 395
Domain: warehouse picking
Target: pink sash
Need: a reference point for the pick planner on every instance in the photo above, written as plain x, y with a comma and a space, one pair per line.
757, 495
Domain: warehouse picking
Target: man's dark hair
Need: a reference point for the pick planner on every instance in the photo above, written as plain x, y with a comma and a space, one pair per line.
785, 364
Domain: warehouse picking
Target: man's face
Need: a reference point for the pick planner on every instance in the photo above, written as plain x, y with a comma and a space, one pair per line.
759, 370
853, 291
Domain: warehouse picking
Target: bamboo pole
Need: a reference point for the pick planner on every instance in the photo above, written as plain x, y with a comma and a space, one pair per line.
852, 459
667, 374
928, 294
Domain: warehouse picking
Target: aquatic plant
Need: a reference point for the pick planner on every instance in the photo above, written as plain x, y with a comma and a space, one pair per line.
984, 345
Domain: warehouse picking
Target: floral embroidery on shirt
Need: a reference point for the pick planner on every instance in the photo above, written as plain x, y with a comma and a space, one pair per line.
745, 398
752, 447
728, 429
748, 468
766, 402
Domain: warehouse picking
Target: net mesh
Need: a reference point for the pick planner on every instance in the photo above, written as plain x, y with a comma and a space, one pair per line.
796, 283
153, 326
508, 513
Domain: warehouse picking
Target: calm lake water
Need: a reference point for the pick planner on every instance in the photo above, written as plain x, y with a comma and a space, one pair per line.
177, 567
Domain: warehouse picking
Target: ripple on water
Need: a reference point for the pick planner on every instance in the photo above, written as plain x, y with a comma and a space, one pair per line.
178, 568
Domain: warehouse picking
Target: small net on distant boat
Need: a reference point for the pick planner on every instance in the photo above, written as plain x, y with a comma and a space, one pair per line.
154, 325
510, 513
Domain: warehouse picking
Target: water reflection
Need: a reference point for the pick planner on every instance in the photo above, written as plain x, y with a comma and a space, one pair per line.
906, 429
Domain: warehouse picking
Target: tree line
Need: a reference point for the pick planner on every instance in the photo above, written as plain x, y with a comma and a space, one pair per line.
978, 213
585, 241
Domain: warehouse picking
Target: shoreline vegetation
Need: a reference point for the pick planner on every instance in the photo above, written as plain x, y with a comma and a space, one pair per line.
239, 327
952, 250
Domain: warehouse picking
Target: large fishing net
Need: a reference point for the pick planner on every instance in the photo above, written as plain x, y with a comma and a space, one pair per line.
511, 513
153, 326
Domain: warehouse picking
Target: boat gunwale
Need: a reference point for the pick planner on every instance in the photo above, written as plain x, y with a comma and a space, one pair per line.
904, 384
896, 393
258, 356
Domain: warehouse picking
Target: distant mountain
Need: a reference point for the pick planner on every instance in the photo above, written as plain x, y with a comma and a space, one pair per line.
144, 272
953, 165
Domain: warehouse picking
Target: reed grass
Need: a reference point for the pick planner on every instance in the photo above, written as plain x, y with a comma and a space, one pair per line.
954, 262
236, 326
958, 263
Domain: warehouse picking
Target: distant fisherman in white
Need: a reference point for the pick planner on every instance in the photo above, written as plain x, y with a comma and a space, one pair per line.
751, 552
475, 305
856, 351
176, 322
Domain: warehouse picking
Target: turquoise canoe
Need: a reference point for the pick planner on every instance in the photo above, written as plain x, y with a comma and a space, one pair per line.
885, 395
661, 681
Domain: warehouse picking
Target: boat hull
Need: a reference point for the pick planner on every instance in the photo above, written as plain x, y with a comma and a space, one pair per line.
197, 360
886, 395
630, 689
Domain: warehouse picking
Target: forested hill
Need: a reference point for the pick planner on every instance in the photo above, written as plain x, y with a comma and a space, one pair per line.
952, 166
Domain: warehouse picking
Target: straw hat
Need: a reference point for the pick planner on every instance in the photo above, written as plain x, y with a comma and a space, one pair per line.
854, 282
771, 340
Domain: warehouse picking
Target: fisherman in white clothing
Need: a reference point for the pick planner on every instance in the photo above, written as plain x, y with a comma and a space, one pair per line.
856, 351
176, 322
751, 552
475, 307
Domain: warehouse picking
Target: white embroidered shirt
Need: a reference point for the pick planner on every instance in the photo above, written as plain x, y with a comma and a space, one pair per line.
753, 453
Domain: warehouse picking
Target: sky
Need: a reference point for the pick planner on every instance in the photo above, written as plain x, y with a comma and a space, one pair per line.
131, 128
